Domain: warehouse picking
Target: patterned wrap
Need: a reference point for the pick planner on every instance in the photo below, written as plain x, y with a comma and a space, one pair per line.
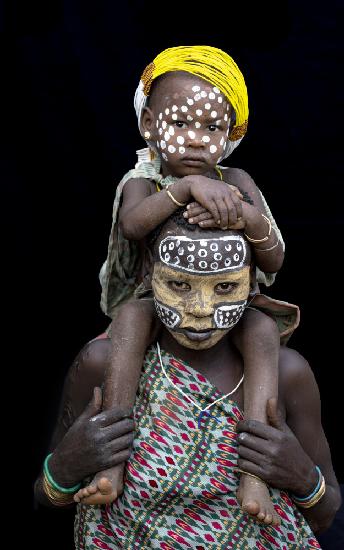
119, 273
180, 488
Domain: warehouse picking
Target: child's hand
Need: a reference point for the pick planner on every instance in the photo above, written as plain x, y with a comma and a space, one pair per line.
197, 214
218, 198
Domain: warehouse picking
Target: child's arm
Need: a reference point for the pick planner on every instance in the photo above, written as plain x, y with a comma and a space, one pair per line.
143, 209
269, 254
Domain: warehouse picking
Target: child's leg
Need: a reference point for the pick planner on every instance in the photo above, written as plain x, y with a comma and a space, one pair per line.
131, 333
258, 341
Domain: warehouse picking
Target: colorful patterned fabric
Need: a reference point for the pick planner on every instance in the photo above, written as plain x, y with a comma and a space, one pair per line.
119, 273
180, 488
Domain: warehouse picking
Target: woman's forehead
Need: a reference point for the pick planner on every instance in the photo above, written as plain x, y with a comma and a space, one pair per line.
209, 254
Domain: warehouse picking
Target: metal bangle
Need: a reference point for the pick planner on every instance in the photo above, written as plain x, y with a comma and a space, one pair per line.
264, 238
175, 200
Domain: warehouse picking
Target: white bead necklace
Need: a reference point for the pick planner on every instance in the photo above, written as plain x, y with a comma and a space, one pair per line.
188, 398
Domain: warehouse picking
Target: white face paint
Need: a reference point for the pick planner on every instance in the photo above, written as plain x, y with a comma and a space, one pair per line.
194, 123
196, 304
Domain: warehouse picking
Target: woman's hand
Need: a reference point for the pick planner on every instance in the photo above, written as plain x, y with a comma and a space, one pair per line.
274, 454
96, 441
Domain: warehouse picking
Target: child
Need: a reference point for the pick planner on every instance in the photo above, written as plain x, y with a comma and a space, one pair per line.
192, 110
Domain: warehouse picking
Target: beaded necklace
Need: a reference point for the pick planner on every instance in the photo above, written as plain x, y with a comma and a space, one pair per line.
202, 411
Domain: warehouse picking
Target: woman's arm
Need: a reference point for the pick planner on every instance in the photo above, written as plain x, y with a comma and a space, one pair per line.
86, 439
285, 453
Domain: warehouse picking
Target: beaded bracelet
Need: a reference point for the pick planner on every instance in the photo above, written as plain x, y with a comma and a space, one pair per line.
314, 497
53, 483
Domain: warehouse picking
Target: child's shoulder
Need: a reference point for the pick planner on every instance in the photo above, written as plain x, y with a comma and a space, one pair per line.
238, 177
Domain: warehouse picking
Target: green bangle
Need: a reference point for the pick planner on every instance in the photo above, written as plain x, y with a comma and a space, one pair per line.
53, 483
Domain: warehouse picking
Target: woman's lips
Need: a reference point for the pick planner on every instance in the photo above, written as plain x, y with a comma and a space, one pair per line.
197, 336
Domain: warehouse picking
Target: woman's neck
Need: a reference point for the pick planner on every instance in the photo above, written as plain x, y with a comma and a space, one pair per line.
206, 360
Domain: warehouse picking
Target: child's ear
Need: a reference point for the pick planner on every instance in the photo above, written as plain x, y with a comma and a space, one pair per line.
147, 122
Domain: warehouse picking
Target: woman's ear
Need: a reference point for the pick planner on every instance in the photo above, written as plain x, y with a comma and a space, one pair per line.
147, 268
147, 124
254, 288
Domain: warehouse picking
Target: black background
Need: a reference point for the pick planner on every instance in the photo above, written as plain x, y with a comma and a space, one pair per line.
72, 70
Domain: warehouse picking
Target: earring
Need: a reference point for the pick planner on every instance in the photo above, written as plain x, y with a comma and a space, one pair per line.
147, 135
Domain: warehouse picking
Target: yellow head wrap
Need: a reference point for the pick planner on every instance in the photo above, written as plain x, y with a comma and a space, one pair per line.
211, 64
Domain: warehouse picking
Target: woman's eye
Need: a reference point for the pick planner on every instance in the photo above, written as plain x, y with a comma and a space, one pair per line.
224, 288
180, 124
179, 285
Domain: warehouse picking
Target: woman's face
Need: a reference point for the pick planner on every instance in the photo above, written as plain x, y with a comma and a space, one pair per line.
190, 124
201, 287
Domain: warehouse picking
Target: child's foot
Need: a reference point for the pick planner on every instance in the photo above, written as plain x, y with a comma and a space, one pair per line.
254, 499
104, 488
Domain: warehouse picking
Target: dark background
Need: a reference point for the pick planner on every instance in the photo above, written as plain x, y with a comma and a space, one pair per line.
72, 68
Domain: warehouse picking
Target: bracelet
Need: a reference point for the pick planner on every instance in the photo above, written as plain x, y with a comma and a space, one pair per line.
264, 238
175, 200
268, 249
248, 474
314, 497
53, 483
56, 497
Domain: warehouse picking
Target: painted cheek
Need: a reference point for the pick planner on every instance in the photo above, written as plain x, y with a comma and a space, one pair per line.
227, 316
169, 316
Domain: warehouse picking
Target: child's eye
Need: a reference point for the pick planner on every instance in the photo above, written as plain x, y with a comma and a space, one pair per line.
180, 124
213, 128
225, 288
179, 285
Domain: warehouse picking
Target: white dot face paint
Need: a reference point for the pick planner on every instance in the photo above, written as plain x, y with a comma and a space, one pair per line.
232, 256
201, 111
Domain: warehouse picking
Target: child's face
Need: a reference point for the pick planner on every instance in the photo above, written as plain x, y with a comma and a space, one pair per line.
190, 124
